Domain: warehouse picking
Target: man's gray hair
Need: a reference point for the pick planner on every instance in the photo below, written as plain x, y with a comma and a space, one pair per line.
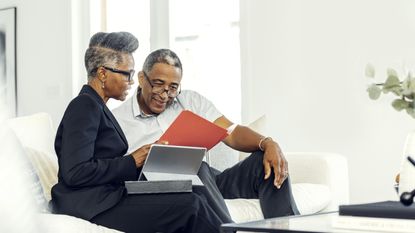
108, 49
165, 56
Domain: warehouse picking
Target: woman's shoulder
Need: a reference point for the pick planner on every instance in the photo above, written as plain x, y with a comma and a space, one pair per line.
85, 99
84, 102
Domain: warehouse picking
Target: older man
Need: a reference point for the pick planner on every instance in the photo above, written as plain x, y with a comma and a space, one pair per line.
159, 100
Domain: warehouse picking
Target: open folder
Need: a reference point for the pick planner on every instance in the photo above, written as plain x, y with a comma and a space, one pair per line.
190, 129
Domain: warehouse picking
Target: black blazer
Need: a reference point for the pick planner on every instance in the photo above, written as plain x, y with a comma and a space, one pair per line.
90, 146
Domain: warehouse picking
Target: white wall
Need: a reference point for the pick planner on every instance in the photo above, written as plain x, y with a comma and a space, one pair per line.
303, 65
44, 55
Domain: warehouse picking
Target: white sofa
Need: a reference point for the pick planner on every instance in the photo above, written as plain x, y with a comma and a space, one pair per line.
320, 180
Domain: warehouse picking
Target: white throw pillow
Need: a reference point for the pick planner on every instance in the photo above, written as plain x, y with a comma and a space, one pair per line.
35, 186
31, 175
311, 198
259, 126
244, 210
222, 156
46, 166
34, 131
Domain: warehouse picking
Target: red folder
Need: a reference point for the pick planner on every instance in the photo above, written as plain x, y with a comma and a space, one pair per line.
189, 129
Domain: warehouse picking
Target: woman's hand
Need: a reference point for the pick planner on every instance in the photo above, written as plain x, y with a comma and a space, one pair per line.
140, 155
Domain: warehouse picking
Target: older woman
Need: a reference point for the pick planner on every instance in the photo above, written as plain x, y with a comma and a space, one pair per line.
91, 149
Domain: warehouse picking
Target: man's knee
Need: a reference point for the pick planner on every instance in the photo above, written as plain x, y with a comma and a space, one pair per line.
258, 156
194, 205
187, 213
255, 160
254, 165
191, 203
204, 167
199, 214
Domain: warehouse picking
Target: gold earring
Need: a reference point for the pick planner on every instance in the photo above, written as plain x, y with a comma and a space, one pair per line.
102, 82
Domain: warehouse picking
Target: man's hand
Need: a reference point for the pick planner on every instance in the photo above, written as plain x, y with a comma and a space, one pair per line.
274, 158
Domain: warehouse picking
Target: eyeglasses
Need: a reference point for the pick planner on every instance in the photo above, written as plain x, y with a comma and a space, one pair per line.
159, 89
128, 74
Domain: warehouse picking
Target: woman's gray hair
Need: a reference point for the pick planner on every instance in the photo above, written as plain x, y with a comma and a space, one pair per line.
108, 49
165, 56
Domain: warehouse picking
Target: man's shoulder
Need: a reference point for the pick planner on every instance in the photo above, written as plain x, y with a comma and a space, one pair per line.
191, 95
189, 99
197, 103
124, 109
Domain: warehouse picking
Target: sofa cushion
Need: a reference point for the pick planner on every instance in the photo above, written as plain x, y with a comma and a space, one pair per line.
310, 198
35, 186
19, 187
222, 156
34, 131
259, 125
30, 173
244, 210
59, 223
46, 166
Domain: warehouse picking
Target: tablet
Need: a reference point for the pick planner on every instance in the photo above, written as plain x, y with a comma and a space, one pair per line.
167, 162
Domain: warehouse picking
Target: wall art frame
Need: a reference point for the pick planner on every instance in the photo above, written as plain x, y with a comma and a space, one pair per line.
8, 76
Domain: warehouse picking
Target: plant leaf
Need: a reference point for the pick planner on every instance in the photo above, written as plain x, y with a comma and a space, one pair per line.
374, 91
397, 91
392, 72
400, 104
370, 71
411, 112
392, 80
408, 87
392, 84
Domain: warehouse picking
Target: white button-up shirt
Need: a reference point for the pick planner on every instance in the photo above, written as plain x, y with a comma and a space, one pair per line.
141, 129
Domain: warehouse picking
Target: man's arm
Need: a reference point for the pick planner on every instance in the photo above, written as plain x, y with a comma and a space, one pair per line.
245, 139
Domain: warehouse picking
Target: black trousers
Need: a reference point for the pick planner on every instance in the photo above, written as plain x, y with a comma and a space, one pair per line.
246, 180
203, 210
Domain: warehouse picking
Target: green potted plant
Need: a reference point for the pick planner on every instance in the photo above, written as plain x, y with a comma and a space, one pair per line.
403, 90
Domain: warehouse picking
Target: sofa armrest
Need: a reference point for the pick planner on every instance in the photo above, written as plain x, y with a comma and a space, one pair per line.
321, 168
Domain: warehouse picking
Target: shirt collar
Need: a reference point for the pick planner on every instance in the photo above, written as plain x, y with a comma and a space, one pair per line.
138, 112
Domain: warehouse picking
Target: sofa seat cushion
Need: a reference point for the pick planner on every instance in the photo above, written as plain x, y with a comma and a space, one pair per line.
310, 198
59, 223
